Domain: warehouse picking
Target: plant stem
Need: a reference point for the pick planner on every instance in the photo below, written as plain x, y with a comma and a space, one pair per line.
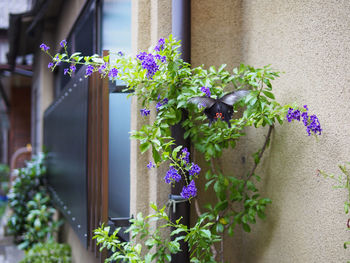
267, 139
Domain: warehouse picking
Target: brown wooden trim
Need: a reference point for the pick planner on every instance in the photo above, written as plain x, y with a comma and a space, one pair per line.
98, 141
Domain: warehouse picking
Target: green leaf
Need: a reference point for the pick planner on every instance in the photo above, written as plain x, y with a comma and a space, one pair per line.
156, 156
246, 227
175, 151
144, 146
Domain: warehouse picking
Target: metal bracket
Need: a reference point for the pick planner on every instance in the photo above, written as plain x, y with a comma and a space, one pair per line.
175, 199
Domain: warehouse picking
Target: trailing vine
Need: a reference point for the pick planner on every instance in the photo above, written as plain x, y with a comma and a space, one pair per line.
160, 77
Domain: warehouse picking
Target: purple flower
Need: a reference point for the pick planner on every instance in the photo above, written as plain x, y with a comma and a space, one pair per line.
63, 43
185, 155
172, 176
161, 58
161, 103
72, 68
148, 62
102, 68
194, 170
160, 45
189, 191
306, 108
44, 47
150, 165
293, 115
145, 112
65, 71
206, 91
113, 73
89, 70
50, 65
120, 53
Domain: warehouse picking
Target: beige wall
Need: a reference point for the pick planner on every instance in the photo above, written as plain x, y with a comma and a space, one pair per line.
151, 20
309, 41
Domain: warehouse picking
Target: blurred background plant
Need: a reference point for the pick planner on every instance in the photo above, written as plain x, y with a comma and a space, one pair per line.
32, 219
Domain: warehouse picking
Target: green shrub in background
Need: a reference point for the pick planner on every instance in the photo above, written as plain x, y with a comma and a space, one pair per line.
32, 219
4, 179
49, 252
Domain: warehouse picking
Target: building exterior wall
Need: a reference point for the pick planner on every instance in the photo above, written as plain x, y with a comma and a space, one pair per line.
309, 41
151, 20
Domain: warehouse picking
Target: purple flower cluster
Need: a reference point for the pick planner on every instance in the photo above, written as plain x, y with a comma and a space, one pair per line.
161, 103
150, 165
148, 62
73, 68
44, 47
185, 155
63, 43
172, 176
160, 45
206, 91
189, 191
113, 73
144, 112
89, 70
50, 65
311, 123
194, 170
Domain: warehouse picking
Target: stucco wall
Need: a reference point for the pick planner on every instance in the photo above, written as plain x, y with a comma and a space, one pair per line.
309, 41
151, 20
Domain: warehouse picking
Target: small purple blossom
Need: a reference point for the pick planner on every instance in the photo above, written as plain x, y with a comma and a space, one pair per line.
160, 45
206, 91
44, 47
50, 65
150, 165
189, 191
194, 170
89, 70
113, 73
185, 155
145, 112
161, 103
120, 53
73, 68
63, 43
102, 68
172, 176
161, 58
65, 71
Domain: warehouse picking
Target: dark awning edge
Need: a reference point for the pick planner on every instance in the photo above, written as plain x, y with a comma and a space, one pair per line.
24, 32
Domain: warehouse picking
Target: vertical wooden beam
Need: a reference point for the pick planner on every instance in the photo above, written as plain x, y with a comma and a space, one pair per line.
98, 157
105, 151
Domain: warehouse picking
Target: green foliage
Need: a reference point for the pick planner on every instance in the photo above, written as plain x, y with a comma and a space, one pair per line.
157, 248
238, 201
48, 252
343, 182
32, 218
4, 179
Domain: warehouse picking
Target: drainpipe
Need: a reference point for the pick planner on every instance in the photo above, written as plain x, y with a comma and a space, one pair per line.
181, 30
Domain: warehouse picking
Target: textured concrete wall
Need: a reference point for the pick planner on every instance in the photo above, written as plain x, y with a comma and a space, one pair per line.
309, 41
151, 20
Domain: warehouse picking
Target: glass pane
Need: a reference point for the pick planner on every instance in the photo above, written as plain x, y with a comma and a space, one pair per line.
116, 27
119, 155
